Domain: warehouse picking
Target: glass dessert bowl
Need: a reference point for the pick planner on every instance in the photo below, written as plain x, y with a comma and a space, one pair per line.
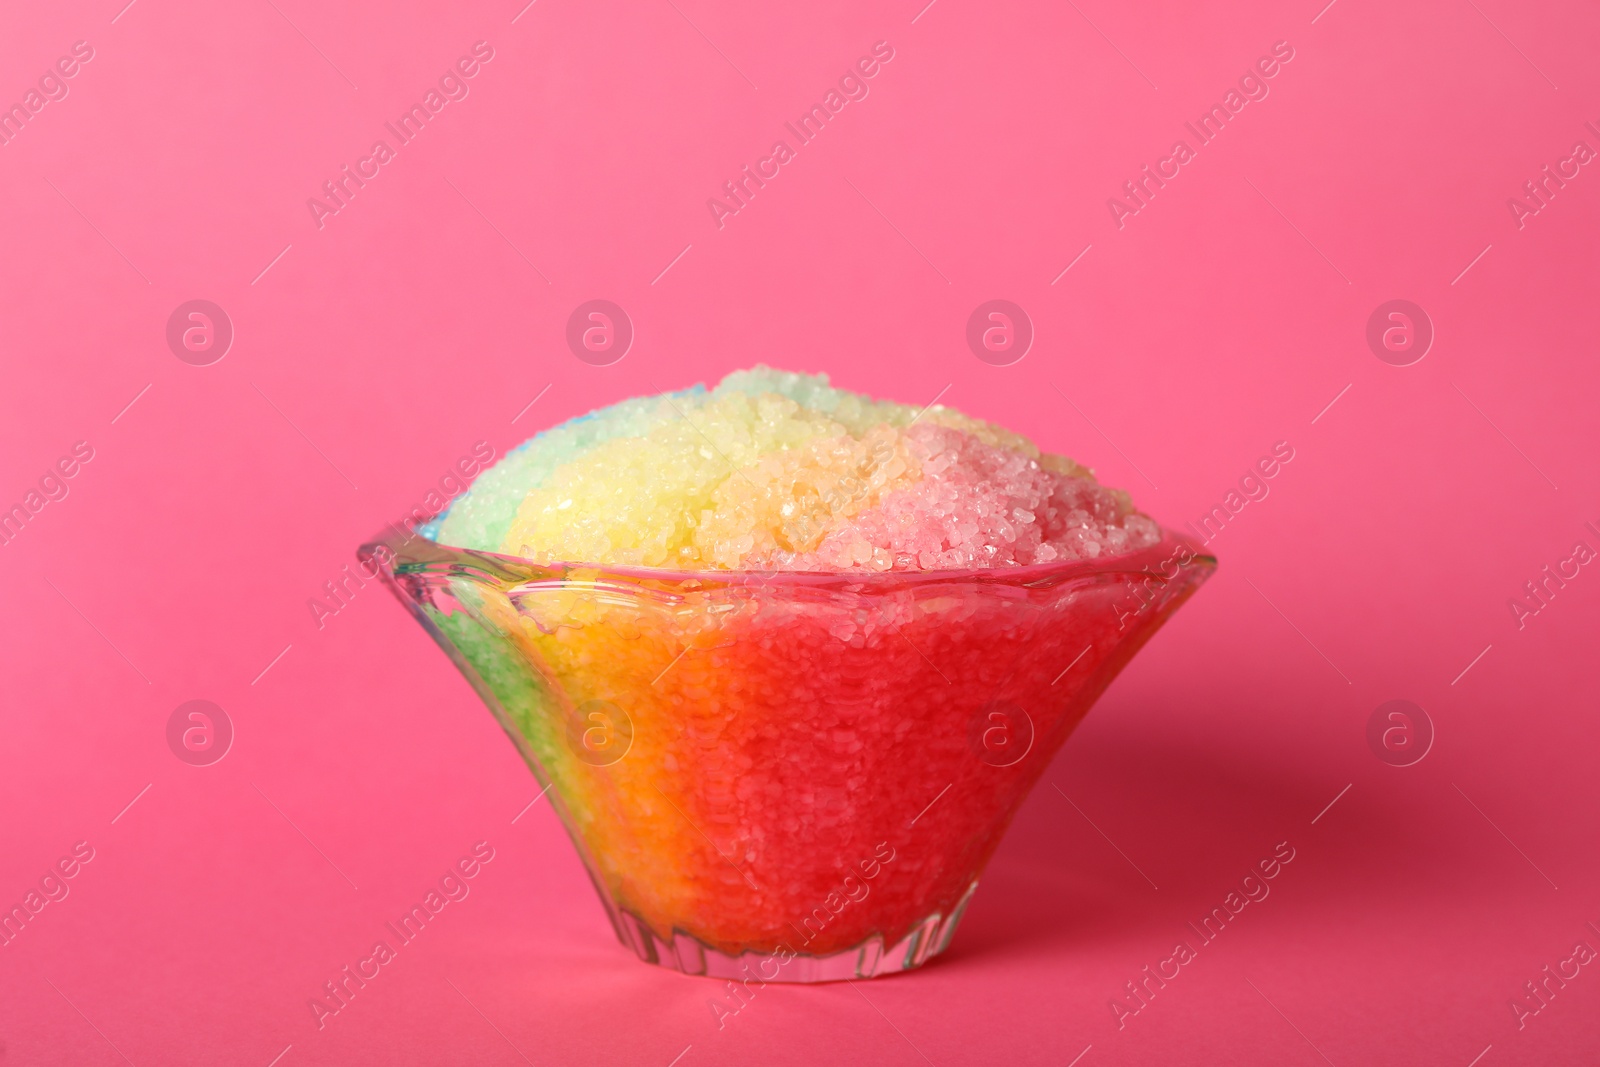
792, 776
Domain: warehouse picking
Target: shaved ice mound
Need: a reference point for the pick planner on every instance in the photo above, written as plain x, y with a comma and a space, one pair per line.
779, 471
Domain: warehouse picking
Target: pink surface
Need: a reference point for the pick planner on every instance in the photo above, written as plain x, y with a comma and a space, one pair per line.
1225, 316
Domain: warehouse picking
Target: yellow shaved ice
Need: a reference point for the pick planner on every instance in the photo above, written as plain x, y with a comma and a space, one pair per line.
780, 471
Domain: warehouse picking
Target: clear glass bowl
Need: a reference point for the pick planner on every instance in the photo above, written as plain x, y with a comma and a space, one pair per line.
787, 776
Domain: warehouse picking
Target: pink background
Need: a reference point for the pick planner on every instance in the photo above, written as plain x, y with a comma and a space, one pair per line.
1224, 317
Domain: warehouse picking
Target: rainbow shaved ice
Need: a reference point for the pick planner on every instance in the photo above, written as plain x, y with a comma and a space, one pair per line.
789, 658
780, 471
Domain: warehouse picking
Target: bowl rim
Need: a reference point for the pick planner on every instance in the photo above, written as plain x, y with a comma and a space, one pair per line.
401, 548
